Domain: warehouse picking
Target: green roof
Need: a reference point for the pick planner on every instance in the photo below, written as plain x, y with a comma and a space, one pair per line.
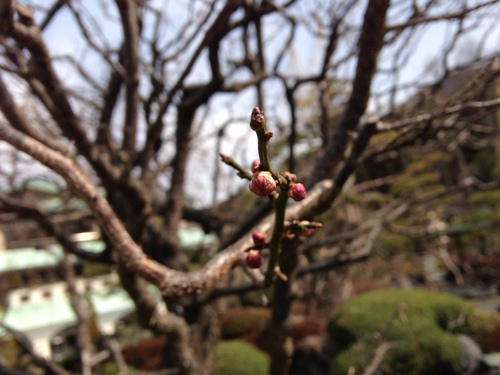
27, 257
55, 204
31, 316
42, 186
31, 257
189, 237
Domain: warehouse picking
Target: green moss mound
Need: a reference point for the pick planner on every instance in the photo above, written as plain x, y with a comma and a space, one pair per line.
241, 322
236, 357
418, 325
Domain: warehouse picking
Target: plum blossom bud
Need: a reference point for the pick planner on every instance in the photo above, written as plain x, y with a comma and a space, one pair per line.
257, 119
297, 192
262, 184
255, 165
253, 259
259, 238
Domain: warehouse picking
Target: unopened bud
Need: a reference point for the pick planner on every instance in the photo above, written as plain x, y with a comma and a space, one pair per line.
297, 192
262, 184
259, 238
255, 165
257, 119
253, 259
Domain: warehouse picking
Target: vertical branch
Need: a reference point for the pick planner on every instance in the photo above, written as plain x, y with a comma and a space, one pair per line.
277, 333
50, 367
109, 100
260, 60
84, 339
279, 228
174, 205
130, 18
289, 92
370, 43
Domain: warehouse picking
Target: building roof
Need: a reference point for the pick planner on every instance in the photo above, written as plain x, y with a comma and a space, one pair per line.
57, 312
32, 257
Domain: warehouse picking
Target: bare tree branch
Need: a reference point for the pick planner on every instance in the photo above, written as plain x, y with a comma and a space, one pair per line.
25, 344
370, 43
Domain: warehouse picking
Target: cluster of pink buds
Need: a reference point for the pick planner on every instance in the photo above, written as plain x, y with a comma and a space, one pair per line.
302, 228
263, 182
254, 256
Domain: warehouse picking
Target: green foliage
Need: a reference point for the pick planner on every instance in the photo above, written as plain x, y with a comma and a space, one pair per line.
373, 199
420, 325
389, 243
10, 352
410, 181
236, 357
243, 321
481, 327
109, 369
488, 197
482, 218
486, 163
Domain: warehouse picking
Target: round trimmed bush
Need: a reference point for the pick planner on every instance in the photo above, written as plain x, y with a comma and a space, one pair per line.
236, 357
418, 325
244, 321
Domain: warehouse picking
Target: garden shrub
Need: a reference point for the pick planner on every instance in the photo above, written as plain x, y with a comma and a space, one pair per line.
484, 328
419, 324
10, 352
243, 321
236, 357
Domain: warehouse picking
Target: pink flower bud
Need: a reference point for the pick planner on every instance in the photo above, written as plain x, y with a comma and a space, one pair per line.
262, 184
297, 192
257, 119
310, 231
253, 259
255, 166
259, 238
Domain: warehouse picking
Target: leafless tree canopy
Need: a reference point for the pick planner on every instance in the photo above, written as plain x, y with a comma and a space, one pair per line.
131, 111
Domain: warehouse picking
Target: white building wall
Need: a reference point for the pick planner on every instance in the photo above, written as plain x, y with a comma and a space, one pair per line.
41, 346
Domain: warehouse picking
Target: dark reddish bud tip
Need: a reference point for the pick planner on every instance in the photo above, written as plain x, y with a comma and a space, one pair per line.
225, 158
257, 119
297, 192
262, 184
259, 238
253, 259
